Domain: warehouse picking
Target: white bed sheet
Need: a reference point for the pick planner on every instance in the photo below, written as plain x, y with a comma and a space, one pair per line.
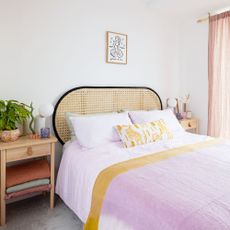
80, 167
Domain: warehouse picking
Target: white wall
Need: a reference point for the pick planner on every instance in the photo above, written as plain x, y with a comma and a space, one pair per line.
193, 73
50, 46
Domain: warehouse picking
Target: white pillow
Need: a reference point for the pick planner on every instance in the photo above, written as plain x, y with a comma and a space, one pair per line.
96, 130
149, 116
68, 116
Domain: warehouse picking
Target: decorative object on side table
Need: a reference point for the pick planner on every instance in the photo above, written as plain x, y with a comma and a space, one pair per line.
189, 115
13, 114
45, 111
182, 114
172, 103
116, 50
184, 100
45, 132
179, 116
33, 134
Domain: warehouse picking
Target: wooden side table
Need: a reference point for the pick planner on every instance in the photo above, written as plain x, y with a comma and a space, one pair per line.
190, 124
23, 149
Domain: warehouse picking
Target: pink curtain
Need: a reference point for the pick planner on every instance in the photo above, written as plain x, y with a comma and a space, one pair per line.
219, 76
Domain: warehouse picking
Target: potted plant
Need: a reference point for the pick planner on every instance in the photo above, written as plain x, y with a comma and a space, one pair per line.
12, 114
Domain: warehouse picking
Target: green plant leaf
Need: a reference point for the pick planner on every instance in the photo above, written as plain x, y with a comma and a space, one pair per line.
13, 113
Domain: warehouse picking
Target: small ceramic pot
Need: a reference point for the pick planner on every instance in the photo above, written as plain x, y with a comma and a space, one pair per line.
183, 114
9, 135
34, 136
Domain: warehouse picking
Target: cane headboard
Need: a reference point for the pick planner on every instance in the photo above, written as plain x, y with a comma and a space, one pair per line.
89, 100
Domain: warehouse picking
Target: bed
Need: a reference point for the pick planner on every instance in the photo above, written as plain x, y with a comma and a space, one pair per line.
174, 184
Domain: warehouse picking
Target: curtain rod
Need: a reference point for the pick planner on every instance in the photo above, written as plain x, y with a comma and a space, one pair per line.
206, 18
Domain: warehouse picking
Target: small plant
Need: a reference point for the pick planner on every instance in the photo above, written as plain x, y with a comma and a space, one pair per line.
13, 113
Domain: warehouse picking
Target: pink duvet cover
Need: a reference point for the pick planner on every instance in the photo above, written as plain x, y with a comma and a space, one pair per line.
189, 191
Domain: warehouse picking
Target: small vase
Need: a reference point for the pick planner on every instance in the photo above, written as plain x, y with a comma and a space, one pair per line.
184, 107
9, 135
40, 122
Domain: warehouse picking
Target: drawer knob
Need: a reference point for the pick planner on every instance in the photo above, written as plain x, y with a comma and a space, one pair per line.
189, 125
29, 151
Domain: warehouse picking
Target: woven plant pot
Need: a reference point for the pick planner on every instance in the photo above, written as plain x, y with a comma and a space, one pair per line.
9, 135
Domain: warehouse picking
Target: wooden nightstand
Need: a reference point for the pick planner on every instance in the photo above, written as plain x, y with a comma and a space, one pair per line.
190, 124
23, 149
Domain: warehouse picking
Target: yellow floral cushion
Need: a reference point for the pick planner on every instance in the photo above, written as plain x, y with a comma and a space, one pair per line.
139, 134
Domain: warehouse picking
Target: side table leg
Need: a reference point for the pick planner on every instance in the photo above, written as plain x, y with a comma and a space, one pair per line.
3, 187
52, 176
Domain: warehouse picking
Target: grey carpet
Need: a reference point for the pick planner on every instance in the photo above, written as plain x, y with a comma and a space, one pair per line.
34, 214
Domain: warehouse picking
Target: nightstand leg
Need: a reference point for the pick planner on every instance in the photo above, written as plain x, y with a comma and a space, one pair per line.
52, 170
3, 187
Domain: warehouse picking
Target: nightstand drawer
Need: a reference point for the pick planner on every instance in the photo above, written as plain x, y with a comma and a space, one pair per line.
189, 124
27, 152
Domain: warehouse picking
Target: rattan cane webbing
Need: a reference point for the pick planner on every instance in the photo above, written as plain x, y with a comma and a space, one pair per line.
101, 100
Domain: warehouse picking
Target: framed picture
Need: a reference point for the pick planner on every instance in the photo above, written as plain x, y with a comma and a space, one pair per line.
116, 48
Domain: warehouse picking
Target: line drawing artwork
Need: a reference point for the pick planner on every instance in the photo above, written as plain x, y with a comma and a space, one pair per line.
116, 48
